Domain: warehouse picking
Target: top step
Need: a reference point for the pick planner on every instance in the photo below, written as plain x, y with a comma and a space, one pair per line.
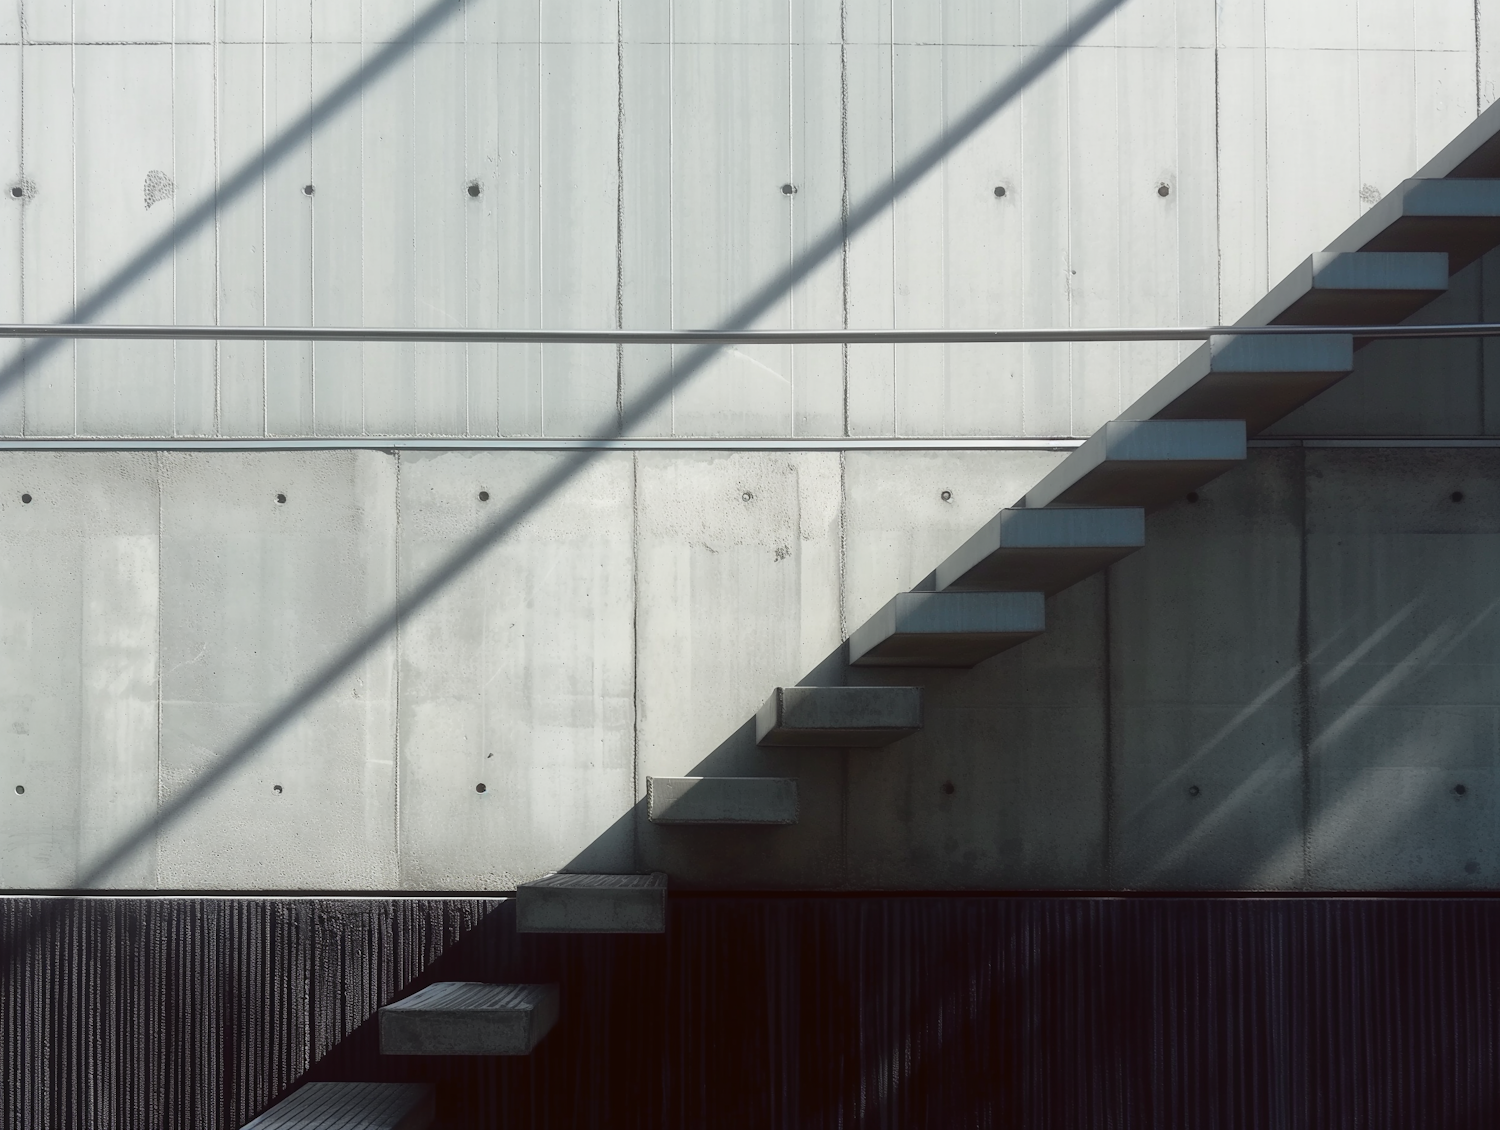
351, 1106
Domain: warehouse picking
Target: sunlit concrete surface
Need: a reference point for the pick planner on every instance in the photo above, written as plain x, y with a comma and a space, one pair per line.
494, 163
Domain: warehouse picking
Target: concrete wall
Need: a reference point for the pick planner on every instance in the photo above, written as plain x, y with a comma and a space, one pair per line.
630, 160
1294, 685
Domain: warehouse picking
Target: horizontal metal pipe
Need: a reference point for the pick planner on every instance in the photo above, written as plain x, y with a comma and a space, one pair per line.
1071, 335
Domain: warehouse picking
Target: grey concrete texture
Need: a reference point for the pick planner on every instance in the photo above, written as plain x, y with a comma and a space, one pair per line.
620, 206
593, 904
738, 580
520, 677
1351, 288
1044, 550
1254, 379
946, 629
1146, 463
838, 717
1403, 633
351, 1106
721, 800
80, 659
271, 562
469, 1018
1206, 769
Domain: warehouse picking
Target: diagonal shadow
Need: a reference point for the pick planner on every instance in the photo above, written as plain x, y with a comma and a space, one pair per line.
246, 177
323, 679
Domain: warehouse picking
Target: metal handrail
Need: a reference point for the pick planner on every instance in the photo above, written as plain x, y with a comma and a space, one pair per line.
376, 335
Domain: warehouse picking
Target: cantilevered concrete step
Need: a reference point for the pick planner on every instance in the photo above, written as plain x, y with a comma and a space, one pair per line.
593, 904
1043, 550
1457, 216
838, 717
946, 629
1353, 288
351, 1106
1145, 463
721, 800
1257, 379
468, 1018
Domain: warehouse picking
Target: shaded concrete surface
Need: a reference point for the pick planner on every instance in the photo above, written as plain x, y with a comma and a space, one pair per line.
1402, 554
1204, 670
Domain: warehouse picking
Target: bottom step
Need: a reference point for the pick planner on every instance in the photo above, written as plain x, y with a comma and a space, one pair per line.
351, 1106
721, 800
593, 904
468, 1018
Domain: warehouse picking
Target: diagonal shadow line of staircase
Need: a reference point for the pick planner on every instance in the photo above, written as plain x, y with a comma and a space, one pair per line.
989, 595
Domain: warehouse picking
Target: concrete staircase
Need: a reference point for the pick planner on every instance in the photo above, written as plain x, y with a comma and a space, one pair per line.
1187, 429
988, 595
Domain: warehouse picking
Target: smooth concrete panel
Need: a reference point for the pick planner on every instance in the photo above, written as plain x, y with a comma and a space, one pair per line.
119, 143
737, 593
260, 594
1004, 785
518, 678
49, 240
79, 585
1404, 628
1205, 737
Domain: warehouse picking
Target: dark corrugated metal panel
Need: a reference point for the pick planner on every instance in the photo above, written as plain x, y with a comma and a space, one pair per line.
763, 1011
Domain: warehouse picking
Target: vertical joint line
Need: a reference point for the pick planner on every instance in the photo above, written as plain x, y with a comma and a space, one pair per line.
1304, 676
1108, 711
844, 198
619, 214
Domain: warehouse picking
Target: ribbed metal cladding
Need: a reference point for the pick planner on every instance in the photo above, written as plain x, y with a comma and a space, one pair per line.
765, 1011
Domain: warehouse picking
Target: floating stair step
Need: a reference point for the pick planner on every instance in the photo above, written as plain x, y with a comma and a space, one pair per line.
838, 717
721, 800
1043, 550
1257, 379
351, 1106
1459, 216
1142, 463
593, 904
946, 629
469, 1018
1353, 288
